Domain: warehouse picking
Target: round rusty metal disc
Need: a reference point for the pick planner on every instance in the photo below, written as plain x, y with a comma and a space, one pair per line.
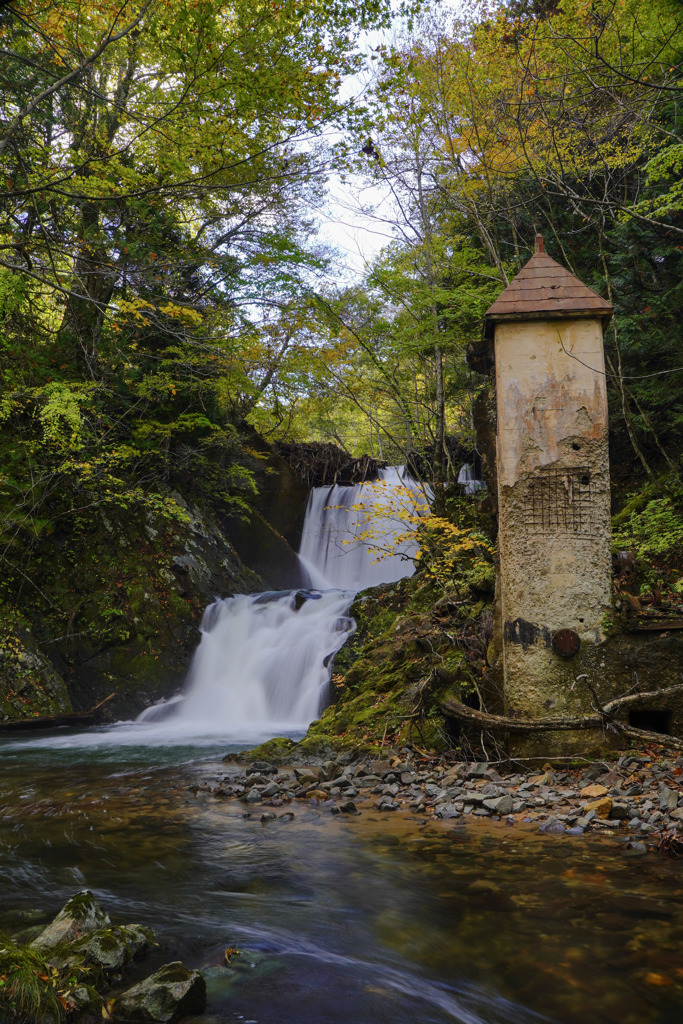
566, 643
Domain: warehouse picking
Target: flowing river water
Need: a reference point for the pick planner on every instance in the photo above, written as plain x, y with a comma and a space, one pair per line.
375, 919
369, 919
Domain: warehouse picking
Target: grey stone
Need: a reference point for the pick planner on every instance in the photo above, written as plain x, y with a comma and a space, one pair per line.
553, 825
668, 798
620, 811
477, 770
109, 948
635, 849
448, 811
170, 994
499, 804
82, 915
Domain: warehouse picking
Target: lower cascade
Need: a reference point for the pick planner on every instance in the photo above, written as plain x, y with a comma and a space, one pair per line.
263, 665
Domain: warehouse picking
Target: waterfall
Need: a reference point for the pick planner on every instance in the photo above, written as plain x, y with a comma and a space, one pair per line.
263, 665
355, 537
468, 480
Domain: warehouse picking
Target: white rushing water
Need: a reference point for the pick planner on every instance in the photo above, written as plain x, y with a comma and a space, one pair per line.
361, 536
468, 480
263, 663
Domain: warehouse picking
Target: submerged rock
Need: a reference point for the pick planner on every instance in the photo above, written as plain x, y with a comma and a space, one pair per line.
167, 996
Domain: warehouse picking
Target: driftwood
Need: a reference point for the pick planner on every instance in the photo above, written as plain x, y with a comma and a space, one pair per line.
91, 717
319, 464
602, 718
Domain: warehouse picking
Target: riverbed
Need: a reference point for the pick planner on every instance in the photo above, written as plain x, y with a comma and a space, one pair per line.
368, 919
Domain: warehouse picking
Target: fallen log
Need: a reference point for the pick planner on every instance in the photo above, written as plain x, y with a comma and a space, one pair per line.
603, 717
91, 717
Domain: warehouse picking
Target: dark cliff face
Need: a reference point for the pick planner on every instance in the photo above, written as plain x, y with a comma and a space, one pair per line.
268, 535
121, 594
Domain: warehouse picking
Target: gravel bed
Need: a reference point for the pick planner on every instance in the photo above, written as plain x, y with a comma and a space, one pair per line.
635, 796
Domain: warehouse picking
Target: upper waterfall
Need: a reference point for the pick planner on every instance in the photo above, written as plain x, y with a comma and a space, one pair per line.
360, 536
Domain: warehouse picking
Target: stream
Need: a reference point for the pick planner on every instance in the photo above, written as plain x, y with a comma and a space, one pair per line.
367, 919
374, 919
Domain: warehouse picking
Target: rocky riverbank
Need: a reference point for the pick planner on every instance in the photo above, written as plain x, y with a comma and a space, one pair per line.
75, 968
638, 797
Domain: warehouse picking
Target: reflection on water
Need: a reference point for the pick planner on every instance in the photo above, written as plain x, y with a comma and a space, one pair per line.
370, 919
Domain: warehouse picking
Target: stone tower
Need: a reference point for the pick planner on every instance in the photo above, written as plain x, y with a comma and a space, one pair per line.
553, 483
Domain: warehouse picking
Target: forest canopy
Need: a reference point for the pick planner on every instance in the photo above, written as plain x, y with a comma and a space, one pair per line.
161, 281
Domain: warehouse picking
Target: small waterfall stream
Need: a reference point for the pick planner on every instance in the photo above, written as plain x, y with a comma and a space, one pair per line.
263, 665
352, 536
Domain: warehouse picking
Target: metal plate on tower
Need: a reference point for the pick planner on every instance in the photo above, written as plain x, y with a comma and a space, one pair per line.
566, 643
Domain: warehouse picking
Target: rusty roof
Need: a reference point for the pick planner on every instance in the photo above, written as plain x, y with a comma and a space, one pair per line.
544, 288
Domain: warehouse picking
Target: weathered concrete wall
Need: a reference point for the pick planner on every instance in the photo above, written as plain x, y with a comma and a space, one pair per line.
554, 506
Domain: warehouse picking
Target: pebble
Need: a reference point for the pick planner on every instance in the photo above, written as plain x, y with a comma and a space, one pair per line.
635, 796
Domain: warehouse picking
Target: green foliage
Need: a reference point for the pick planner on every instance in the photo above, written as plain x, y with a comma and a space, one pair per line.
32, 990
653, 530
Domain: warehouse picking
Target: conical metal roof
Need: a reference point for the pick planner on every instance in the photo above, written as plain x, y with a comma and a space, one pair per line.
544, 288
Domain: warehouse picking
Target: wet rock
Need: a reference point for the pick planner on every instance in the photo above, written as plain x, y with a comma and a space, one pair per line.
272, 789
593, 792
620, 811
499, 804
80, 916
602, 807
349, 808
477, 770
170, 994
448, 811
268, 816
262, 767
553, 826
668, 798
111, 949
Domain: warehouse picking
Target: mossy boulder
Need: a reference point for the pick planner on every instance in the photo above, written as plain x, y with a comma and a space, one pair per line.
81, 916
170, 994
29, 684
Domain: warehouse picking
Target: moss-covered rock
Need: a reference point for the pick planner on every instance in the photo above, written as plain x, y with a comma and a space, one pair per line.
167, 996
29, 684
413, 645
82, 915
